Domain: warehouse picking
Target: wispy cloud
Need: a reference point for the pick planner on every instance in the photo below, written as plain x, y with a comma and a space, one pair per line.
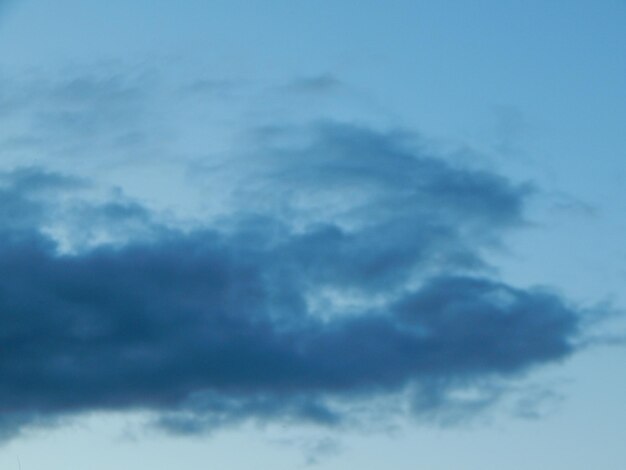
315, 85
81, 115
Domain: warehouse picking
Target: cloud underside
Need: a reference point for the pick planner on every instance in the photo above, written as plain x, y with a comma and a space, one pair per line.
350, 267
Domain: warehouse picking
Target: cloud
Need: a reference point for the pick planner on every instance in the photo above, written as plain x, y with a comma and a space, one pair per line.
90, 113
315, 449
152, 326
25, 199
314, 85
211, 86
349, 269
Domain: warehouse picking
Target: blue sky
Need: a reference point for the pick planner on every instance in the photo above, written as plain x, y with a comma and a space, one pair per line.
326, 234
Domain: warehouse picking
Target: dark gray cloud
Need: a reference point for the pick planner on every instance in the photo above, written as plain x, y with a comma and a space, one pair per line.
150, 326
26, 196
352, 270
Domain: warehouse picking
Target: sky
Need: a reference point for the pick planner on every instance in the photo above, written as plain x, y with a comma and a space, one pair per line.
312, 234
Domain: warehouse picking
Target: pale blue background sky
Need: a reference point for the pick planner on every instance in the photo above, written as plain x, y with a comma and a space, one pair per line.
535, 90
